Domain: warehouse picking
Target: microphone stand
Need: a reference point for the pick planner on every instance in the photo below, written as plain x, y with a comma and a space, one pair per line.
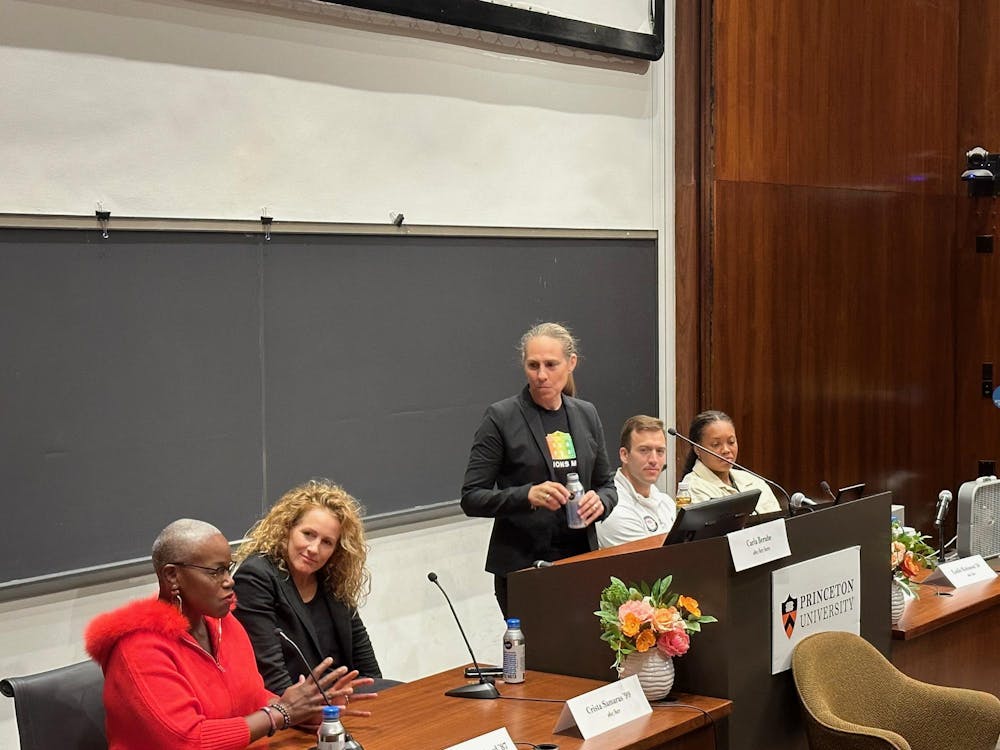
674, 433
482, 689
940, 513
349, 742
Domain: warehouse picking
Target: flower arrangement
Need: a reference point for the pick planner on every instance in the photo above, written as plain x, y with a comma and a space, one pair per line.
638, 618
908, 555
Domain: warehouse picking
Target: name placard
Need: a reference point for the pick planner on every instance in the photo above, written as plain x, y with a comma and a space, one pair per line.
605, 708
498, 739
759, 544
958, 573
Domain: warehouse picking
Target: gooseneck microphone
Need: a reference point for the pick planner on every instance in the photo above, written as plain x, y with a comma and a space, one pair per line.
674, 433
309, 668
485, 687
349, 742
825, 486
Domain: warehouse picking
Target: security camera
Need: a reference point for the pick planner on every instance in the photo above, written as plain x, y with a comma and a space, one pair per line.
981, 172
976, 157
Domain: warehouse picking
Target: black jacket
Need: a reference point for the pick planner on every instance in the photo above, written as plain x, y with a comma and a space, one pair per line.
509, 455
266, 598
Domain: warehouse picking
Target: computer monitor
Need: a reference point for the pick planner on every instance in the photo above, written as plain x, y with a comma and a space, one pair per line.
711, 518
846, 494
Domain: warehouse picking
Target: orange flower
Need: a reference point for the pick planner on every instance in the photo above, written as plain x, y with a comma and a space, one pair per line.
645, 640
630, 625
897, 552
909, 567
691, 605
664, 619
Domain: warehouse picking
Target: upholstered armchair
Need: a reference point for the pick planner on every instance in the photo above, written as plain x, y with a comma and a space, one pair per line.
855, 699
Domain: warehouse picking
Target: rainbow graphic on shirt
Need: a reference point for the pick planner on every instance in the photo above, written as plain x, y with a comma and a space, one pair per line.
560, 446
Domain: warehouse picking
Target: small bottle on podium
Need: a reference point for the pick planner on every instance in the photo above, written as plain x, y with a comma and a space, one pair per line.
513, 652
683, 495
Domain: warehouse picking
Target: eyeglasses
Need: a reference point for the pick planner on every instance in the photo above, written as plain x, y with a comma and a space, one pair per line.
216, 573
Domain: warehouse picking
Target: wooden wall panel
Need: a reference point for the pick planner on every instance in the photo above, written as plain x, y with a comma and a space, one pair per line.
831, 336
827, 250
690, 220
836, 93
977, 277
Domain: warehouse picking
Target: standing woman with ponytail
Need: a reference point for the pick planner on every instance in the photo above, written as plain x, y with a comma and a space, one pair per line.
525, 447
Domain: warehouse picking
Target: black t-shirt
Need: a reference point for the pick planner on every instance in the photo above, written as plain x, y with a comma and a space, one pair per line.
322, 622
560, 441
565, 541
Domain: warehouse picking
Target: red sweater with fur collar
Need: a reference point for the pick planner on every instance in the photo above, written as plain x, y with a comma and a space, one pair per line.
162, 691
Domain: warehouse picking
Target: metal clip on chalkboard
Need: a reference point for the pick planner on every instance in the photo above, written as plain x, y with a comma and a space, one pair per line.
265, 222
103, 219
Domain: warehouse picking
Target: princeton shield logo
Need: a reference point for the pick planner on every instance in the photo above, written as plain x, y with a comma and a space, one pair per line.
789, 609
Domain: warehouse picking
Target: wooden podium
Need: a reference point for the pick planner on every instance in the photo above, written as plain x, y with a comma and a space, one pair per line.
728, 659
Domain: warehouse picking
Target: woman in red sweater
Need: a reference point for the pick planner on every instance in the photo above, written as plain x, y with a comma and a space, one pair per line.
179, 671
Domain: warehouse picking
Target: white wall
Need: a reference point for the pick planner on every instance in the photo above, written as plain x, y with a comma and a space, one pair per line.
178, 109
174, 109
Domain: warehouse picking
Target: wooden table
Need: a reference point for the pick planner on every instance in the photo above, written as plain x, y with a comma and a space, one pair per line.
418, 716
952, 640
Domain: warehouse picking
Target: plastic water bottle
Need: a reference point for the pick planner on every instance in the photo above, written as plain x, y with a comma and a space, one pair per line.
683, 496
513, 652
331, 732
573, 519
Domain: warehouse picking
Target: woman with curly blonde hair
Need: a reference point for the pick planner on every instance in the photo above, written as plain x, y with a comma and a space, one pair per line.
303, 570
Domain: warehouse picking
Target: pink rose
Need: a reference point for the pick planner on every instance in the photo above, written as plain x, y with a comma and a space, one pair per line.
674, 642
637, 607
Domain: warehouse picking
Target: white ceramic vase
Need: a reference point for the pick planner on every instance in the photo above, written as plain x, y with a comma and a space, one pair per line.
655, 672
898, 601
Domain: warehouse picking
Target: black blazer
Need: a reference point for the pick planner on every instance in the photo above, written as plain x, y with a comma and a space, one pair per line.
509, 455
266, 598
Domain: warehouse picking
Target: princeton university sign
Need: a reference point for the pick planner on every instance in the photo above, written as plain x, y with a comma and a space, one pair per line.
813, 597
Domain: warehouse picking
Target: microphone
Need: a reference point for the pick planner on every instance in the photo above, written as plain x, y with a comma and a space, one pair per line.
944, 500
281, 634
349, 742
674, 433
482, 689
825, 486
800, 501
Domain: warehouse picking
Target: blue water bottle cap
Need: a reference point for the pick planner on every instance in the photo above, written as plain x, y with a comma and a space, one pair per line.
331, 712
514, 622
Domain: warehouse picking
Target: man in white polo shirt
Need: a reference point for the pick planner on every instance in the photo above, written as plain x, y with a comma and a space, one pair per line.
642, 510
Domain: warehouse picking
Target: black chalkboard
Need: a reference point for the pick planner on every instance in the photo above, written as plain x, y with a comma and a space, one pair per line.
150, 375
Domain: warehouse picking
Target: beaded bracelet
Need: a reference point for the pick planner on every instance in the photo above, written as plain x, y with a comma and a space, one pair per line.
284, 712
270, 718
